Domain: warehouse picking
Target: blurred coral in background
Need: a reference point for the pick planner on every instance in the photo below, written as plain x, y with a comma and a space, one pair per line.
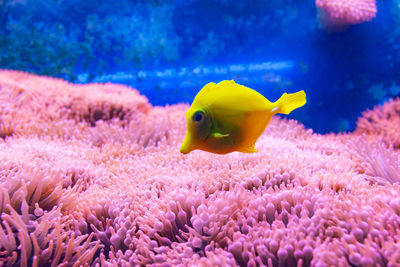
382, 123
92, 174
339, 14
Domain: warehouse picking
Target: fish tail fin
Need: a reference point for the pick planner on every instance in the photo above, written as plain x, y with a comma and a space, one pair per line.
288, 102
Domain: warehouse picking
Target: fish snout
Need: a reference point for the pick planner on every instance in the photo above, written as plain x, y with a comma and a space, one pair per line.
184, 150
186, 146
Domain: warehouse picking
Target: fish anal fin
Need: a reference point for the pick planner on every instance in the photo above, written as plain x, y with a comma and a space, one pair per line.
249, 149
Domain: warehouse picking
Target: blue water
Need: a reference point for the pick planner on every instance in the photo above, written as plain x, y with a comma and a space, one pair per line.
170, 49
182, 84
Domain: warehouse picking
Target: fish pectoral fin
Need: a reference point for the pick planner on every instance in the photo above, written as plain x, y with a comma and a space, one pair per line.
249, 149
219, 135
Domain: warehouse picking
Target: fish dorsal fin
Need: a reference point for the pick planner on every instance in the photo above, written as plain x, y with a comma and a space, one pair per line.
213, 90
228, 95
204, 92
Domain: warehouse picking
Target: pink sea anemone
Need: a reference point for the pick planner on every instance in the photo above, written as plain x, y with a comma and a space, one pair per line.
339, 14
92, 175
382, 122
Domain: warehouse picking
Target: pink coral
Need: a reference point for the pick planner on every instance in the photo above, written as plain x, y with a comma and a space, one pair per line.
92, 174
382, 122
338, 14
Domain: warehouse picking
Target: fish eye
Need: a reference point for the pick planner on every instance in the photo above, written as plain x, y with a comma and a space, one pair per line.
198, 116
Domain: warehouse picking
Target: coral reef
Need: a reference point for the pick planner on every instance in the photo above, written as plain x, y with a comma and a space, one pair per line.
339, 14
92, 175
383, 123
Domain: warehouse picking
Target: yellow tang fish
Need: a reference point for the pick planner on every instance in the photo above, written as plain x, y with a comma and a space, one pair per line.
227, 117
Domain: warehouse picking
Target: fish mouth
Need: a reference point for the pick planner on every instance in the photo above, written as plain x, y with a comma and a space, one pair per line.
187, 145
184, 150
191, 143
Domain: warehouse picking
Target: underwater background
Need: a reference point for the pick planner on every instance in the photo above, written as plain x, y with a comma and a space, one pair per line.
169, 50
92, 172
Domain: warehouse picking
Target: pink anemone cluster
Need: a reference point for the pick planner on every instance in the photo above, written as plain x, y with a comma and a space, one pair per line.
92, 175
382, 123
339, 14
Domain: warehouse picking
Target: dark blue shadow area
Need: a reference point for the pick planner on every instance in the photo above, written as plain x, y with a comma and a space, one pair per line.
169, 50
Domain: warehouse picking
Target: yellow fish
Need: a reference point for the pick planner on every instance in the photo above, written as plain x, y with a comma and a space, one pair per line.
227, 117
